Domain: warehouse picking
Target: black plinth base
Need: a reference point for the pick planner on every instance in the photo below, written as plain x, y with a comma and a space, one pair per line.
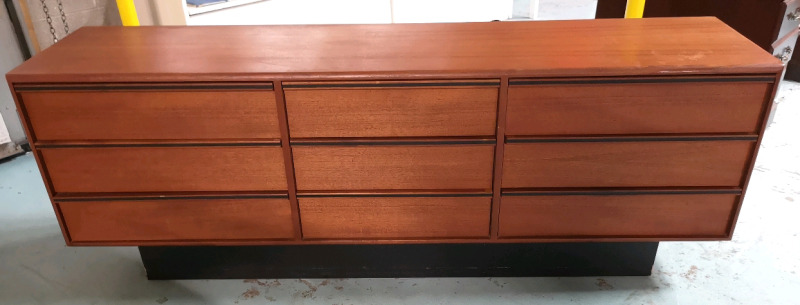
424, 260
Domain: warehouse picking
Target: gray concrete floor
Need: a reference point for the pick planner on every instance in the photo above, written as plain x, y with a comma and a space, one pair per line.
759, 266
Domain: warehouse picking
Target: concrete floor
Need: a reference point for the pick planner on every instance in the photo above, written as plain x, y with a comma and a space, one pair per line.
759, 266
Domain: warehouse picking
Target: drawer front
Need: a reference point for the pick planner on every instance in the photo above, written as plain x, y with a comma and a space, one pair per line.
395, 218
394, 167
594, 109
165, 169
626, 164
702, 216
391, 112
152, 115
178, 220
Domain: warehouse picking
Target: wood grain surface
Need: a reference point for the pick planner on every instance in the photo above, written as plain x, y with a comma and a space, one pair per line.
391, 112
178, 220
393, 167
165, 169
650, 46
626, 164
372, 113
652, 108
395, 218
616, 216
502, 107
288, 162
152, 115
762, 22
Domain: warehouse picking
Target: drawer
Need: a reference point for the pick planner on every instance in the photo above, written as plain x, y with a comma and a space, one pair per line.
666, 216
152, 115
590, 108
626, 164
395, 217
393, 167
165, 169
177, 220
391, 111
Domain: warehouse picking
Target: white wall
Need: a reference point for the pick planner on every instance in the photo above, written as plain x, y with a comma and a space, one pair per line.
161, 12
10, 57
79, 13
368, 11
421, 11
357, 12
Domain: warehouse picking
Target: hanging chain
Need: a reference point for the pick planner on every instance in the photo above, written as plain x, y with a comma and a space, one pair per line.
63, 18
49, 20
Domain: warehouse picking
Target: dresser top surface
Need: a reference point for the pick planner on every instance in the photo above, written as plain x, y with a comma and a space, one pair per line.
574, 48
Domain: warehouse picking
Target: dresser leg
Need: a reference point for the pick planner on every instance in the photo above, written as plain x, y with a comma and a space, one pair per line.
422, 260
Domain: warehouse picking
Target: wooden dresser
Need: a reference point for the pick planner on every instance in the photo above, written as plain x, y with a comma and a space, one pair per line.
771, 24
502, 132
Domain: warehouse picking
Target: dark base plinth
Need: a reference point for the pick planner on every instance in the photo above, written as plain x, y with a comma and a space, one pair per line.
422, 260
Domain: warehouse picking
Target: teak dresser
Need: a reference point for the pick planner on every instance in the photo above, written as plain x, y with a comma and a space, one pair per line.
504, 132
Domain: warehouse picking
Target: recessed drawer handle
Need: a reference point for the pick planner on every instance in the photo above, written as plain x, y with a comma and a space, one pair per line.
794, 16
786, 54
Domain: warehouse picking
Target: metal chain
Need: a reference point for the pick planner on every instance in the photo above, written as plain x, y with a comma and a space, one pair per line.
49, 20
63, 18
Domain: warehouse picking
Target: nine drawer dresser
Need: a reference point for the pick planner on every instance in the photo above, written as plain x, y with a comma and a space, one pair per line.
596, 130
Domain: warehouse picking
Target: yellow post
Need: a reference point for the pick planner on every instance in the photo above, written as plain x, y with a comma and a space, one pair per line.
635, 9
127, 12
